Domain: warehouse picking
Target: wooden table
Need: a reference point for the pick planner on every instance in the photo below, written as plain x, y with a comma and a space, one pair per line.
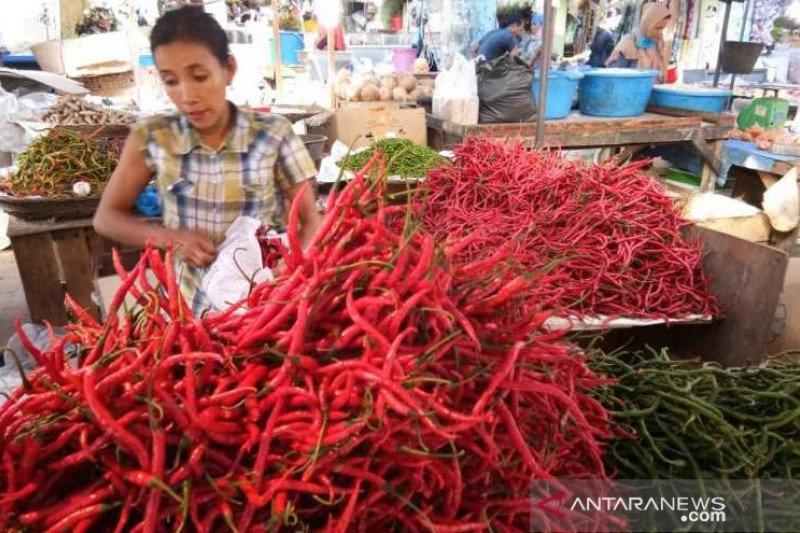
704, 132
59, 257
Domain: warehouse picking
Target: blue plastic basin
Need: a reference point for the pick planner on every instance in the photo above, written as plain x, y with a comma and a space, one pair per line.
291, 45
615, 92
704, 99
561, 86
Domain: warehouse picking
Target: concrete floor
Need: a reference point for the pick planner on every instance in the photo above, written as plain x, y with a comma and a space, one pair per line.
12, 297
12, 303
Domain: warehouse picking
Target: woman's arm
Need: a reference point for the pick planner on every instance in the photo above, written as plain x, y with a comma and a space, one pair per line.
621, 62
310, 220
115, 220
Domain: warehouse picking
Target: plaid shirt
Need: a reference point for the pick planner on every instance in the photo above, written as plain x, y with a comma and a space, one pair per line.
206, 190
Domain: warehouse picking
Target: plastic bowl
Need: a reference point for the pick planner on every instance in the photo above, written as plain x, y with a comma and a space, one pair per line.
561, 86
615, 92
703, 99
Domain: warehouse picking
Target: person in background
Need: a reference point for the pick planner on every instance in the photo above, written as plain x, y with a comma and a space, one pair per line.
212, 161
605, 39
531, 42
645, 48
321, 42
503, 40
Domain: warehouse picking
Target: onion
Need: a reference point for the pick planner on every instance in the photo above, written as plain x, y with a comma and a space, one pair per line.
389, 82
370, 93
407, 82
398, 93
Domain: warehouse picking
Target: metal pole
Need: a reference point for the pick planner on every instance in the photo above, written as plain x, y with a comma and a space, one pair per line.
744, 19
547, 46
276, 38
722, 40
331, 65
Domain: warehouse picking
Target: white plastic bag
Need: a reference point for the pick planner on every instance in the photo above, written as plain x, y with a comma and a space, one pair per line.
455, 95
781, 203
238, 263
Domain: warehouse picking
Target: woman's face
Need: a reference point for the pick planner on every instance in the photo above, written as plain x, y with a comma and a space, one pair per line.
195, 81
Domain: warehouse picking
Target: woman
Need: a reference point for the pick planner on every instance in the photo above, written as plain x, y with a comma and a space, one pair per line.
212, 162
644, 49
321, 41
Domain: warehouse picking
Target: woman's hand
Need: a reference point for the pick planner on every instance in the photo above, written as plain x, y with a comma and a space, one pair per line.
194, 248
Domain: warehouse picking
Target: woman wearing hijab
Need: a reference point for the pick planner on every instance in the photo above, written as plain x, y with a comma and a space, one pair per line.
645, 48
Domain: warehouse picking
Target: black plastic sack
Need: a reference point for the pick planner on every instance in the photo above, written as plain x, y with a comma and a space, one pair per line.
505, 91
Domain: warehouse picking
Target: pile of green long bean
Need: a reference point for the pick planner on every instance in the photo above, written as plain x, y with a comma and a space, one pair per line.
406, 159
690, 420
54, 162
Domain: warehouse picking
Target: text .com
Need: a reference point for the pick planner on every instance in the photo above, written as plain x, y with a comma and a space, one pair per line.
706, 517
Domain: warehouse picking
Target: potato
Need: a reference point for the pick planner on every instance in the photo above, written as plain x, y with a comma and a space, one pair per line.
386, 93
389, 82
370, 93
398, 93
407, 82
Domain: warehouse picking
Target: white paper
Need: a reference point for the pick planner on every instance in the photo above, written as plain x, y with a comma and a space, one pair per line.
712, 206
601, 322
238, 262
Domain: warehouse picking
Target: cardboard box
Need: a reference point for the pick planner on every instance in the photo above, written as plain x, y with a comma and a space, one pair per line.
397, 104
362, 124
88, 55
754, 228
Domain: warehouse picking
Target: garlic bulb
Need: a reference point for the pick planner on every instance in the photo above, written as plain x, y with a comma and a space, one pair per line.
81, 188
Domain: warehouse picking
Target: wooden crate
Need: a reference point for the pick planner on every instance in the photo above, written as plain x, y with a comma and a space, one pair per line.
56, 258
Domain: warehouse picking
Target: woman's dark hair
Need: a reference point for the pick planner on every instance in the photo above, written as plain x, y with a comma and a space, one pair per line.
192, 25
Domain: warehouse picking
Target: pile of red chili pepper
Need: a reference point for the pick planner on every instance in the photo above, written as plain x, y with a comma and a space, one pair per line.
366, 387
607, 236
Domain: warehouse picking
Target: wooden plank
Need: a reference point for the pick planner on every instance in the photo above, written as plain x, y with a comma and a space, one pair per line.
711, 164
18, 227
614, 137
38, 270
75, 260
586, 132
721, 119
747, 279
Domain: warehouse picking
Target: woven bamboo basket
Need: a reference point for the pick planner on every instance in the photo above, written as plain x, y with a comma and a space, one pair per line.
49, 208
119, 84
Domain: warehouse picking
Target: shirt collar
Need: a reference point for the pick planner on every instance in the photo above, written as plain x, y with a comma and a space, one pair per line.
238, 139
